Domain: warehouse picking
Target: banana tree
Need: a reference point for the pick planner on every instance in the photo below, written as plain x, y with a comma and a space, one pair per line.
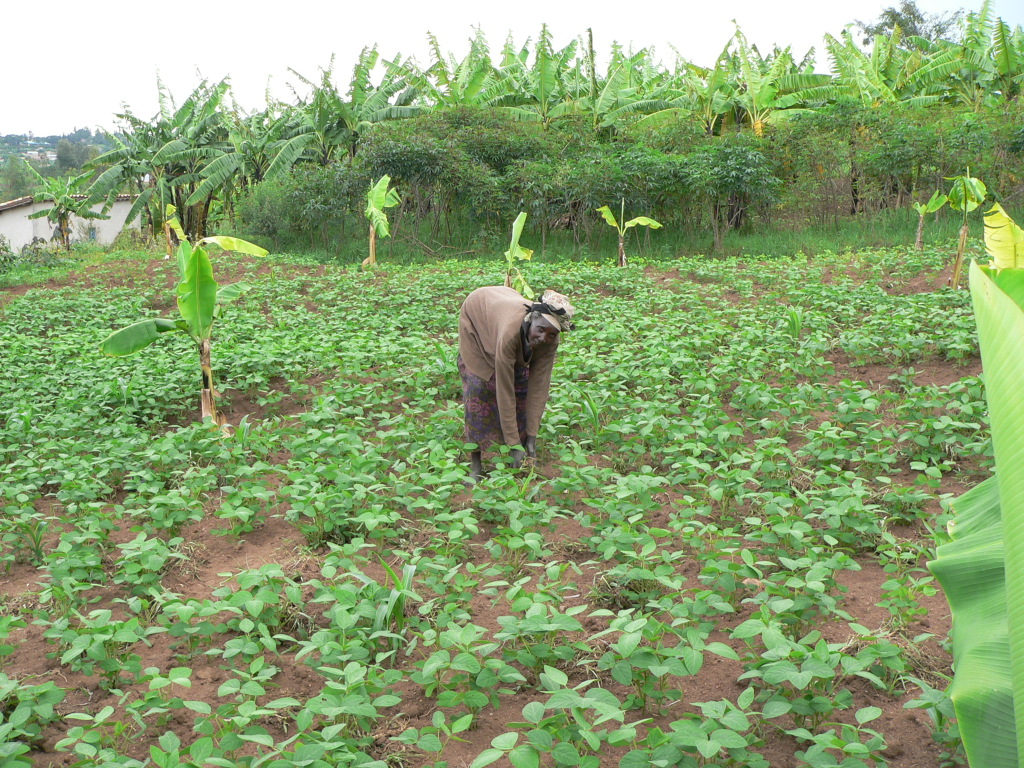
966, 194
514, 277
338, 122
450, 83
130, 168
633, 86
257, 149
886, 74
377, 200
709, 94
66, 202
936, 201
644, 221
762, 83
982, 569
985, 66
200, 302
540, 93
164, 157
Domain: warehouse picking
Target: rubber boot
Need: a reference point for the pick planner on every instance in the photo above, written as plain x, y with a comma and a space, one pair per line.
476, 468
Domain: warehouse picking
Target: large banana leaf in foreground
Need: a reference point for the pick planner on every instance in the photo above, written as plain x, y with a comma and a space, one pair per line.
982, 569
1005, 240
970, 569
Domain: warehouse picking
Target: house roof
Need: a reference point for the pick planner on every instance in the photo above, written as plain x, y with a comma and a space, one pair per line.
20, 201
15, 203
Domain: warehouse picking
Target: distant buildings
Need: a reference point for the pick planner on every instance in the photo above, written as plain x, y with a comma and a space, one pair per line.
20, 230
42, 155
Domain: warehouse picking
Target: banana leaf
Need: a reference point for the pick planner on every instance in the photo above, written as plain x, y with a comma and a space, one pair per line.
228, 293
183, 255
1004, 240
606, 212
377, 199
197, 295
645, 221
515, 250
171, 219
936, 201
132, 338
514, 277
970, 570
982, 569
235, 244
967, 193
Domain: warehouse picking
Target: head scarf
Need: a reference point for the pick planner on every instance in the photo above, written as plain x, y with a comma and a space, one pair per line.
555, 309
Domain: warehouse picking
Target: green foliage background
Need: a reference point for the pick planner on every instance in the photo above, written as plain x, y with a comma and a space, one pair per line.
461, 173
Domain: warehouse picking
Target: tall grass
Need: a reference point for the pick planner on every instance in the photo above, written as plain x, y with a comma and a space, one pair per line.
467, 243
884, 229
879, 230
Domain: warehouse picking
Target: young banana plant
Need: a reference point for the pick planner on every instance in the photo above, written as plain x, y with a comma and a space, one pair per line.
981, 570
378, 199
644, 221
966, 194
936, 201
200, 300
516, 253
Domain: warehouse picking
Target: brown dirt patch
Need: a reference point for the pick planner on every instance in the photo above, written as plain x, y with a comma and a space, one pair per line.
932, 372
929, 282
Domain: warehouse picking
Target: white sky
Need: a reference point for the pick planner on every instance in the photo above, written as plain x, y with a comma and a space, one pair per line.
69, 64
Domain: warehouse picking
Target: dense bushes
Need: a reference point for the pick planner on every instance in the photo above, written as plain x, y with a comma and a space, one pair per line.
729, 179
465, 173
845, 160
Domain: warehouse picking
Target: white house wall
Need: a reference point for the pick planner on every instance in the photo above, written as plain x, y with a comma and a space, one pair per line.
19, 229
16, 226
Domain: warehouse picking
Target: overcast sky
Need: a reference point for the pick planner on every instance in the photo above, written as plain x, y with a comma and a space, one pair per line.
71, 65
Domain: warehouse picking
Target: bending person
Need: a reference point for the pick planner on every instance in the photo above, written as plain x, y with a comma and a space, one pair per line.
507, 347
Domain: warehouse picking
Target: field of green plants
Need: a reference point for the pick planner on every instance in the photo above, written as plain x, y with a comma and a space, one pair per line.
717, 561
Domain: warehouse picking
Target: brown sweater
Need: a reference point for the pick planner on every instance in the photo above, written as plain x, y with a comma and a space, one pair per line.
491, 345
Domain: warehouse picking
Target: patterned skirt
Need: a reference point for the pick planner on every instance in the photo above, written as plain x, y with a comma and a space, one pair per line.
483, 424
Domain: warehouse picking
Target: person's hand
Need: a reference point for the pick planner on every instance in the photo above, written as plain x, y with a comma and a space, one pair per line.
531, 447
518, 456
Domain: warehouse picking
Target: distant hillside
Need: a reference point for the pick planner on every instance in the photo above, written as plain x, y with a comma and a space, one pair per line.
49, 155
21, 144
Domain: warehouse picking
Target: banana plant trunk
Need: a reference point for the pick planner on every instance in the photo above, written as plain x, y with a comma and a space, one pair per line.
170, 238
716, 227
371, 260
208, 404
919, 240
958, 265
64, 231
622, 250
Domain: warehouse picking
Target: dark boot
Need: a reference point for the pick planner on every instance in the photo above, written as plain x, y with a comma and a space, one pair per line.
476, 468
